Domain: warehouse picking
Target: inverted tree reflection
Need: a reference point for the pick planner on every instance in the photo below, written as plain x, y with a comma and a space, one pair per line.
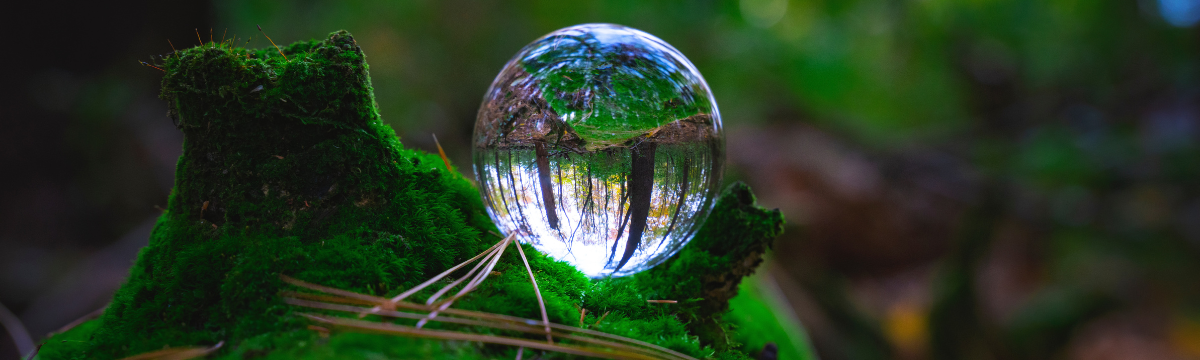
613, 211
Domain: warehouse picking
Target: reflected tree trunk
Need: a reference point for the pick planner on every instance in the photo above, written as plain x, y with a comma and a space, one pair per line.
683, 189
641, 187
543, 169
521, 220
623, 215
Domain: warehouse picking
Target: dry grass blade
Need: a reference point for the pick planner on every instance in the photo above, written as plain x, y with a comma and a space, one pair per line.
471, 285
391, 304
325, 298
500, 318
177, 353
538, 292
329, 290
600, 344
470, 274
530, 329
387, 328
442, 153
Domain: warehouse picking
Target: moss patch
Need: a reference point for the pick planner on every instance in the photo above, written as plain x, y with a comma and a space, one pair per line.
287, 169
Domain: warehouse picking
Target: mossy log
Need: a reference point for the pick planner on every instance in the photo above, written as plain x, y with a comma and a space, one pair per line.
288, 169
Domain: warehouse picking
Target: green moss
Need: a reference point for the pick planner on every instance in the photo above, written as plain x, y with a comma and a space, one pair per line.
65, 345
287, 169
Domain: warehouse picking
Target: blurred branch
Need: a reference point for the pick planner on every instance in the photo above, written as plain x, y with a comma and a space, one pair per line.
16, 330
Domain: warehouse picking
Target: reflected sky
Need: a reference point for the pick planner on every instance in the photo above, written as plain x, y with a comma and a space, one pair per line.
584, 213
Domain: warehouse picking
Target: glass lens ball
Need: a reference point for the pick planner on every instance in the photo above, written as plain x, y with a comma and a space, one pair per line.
600, 145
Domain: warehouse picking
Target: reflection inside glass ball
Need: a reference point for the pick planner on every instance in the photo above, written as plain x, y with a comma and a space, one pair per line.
601, 145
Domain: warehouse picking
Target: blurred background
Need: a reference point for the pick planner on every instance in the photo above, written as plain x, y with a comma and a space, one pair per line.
973, 179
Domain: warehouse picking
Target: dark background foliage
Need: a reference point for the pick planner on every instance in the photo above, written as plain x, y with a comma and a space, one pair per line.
975, 179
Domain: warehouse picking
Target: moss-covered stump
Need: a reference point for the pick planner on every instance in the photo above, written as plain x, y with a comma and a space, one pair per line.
287, 169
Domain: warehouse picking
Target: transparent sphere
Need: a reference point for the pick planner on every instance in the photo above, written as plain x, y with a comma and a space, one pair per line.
602, 146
